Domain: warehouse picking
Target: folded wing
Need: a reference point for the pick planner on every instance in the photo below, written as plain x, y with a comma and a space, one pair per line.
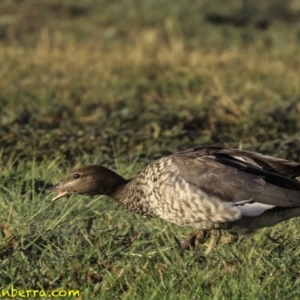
247, 179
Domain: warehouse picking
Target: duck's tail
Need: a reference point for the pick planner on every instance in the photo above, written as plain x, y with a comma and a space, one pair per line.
269, 218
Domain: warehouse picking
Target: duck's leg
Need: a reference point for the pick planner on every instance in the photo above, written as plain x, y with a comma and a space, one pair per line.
196, 237
199, 236
215, 236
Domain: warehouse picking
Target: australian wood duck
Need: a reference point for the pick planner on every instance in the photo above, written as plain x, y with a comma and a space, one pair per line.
205, 188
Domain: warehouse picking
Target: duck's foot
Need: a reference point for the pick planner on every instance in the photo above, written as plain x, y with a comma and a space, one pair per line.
199, 236
232, 238
195, 238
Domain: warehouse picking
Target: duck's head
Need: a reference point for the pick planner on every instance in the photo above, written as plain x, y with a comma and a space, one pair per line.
88, 180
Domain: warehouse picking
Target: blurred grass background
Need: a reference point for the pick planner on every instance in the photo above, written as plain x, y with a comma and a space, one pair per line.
122, 83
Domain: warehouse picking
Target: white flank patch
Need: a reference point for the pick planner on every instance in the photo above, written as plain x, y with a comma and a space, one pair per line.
253, 209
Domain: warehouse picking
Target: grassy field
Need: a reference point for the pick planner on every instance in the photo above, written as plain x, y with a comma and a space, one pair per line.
121, 83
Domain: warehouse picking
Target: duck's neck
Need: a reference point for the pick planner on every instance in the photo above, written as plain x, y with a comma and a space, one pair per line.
132, 196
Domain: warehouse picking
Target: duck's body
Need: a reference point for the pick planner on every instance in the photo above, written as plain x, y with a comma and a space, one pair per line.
160, 191
203, 188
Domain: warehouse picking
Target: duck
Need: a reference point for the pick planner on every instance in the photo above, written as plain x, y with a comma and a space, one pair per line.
207, 188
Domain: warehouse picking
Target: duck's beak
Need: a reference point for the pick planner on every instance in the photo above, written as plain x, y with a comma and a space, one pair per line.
57, 188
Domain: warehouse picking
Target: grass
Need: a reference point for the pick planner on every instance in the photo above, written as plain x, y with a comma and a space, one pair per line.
122, 83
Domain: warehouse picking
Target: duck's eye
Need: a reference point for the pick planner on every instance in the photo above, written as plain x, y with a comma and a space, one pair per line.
76, 175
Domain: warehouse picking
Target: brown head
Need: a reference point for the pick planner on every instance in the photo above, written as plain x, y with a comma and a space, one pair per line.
88, 180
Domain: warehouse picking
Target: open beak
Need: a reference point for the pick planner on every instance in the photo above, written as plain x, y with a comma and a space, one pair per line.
61, 193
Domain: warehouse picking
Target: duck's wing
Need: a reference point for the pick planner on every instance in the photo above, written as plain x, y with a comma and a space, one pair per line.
281, 166
242, 177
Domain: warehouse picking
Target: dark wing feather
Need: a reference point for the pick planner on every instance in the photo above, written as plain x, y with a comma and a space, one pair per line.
281, 166
236, 175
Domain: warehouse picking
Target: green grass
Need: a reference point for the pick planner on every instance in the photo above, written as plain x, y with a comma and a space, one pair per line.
97, 247
121, 83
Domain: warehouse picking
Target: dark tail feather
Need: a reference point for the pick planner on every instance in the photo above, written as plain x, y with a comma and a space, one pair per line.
270, 218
